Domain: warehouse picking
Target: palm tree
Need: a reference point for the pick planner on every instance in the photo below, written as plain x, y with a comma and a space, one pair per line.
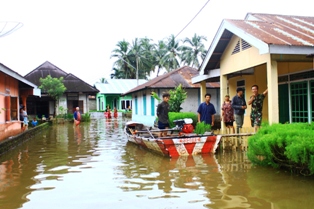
123, 60
159, 54
194, 52
172, 56
148, 59
103, 80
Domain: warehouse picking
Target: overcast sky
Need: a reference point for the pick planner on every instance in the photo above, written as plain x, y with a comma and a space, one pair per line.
78, 36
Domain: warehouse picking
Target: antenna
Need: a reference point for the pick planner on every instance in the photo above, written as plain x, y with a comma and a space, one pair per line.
8, 27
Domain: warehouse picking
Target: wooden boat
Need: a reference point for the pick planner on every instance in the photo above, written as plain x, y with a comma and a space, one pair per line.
176, 144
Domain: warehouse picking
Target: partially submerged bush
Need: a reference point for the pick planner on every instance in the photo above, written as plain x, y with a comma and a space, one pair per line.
86, 117
284, 145
202, 127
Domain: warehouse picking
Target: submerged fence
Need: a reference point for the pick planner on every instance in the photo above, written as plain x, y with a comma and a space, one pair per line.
234, 141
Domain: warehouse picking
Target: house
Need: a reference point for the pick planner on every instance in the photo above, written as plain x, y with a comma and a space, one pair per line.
14, 91
77, 94
110, 93
144, 105
272, 51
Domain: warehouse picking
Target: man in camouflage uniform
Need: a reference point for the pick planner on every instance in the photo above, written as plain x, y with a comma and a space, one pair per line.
256, 100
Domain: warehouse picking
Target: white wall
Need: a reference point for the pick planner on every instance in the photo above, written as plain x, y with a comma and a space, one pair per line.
189, 105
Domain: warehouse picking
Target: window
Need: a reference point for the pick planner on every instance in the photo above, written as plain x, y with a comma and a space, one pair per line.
144, 104
136, 105
152, 105
14, 109
125, 104
299, 105
11, 108
241, 84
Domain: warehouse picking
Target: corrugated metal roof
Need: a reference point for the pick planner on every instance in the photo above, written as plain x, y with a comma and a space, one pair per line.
118, 86
70, 81
172, 79
279, 29
271, 29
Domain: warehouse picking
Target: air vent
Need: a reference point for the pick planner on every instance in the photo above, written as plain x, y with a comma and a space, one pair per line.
236, 48
282, 79
302, 76
241, 83
245, 45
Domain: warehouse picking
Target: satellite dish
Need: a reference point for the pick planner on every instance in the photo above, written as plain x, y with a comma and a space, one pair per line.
8, 27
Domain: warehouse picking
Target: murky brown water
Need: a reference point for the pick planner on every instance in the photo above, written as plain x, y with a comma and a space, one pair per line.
94, 166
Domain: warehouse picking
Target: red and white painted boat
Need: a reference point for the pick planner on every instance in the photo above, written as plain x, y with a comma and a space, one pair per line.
177, 144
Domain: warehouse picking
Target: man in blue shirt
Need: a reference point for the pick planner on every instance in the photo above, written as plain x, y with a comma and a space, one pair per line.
206, 111
239, 106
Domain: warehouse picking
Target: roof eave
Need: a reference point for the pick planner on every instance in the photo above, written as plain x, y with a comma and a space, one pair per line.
285, 49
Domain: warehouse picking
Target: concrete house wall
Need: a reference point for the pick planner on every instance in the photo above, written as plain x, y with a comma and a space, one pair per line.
144, 110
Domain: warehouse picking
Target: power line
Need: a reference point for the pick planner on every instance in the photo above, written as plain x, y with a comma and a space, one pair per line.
192, 19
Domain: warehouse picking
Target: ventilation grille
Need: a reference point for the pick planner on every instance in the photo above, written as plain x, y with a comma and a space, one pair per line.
284, 78
241, 83
245, 45
296, 76
301, 76
236, 48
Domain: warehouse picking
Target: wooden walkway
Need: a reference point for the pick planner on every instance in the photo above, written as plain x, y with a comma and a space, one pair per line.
234, 141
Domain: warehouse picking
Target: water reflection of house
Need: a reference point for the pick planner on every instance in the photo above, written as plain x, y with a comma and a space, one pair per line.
77, 94
272, 52
14, 90
110, 93
144, 105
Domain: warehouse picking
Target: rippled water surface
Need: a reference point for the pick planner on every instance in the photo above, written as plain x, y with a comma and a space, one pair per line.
93, 166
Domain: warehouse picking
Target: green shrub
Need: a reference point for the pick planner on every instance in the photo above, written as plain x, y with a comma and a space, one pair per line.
202, 127
85, 117
181, 115
284, 145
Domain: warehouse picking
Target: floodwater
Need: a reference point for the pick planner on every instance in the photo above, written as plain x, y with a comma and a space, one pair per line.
93, 166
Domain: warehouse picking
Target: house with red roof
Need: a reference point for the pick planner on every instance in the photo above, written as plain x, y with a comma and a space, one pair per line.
272, 51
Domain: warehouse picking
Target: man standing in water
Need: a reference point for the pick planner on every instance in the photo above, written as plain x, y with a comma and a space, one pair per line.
256, 100
239, 106
77, 116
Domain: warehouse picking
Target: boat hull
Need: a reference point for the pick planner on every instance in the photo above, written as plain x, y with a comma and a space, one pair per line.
174, 146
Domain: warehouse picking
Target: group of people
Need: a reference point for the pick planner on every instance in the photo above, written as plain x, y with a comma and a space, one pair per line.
232, 110
107, 112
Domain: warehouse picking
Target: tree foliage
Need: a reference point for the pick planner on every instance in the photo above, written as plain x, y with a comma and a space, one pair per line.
177, 97
54, 87
140, 58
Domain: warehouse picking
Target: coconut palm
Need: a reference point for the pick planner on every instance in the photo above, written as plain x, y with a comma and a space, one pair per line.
122, 53
172, 56
148, 59
102, 80
194, 51
159, 54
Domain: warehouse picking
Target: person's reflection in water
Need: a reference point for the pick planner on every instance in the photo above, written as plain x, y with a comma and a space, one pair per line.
77, 134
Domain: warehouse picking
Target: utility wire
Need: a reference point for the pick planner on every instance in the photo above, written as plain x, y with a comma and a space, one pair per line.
192, 19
